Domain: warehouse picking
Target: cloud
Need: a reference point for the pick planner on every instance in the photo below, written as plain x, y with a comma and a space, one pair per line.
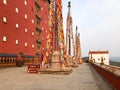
110, 6
107, 4
83, 15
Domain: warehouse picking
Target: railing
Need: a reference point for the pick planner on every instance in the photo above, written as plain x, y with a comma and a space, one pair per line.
28, 59
110, 73
8, 60
113, 69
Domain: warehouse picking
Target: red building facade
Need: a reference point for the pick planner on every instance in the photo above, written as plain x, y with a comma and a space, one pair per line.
22, 28
44, 14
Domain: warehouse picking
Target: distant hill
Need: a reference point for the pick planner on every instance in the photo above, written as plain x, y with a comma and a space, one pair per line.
115, 59
85, 58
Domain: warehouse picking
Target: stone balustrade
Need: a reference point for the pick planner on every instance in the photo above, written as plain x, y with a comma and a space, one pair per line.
109, 73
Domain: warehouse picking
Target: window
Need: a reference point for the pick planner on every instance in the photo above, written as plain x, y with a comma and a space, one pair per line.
32, 21
42, 28
26, 30
41, 8
45, 21
16, 9
32, 45
38, 47
17, 25
37, 7
38, 31
5, 2
4, 19
4, 38
25, 2
25, 44
38, 19
33, 33
32, 9
25, 16
16, 41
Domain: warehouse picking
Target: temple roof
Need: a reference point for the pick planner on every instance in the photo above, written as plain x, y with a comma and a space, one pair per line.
98, 52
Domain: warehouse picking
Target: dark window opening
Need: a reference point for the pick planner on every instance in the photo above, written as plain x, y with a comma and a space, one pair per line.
38, 19
37, 7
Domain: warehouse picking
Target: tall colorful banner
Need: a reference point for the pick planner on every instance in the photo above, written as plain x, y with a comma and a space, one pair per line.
51, 33
60, 29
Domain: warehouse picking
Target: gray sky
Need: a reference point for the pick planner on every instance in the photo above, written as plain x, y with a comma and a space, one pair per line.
98, 23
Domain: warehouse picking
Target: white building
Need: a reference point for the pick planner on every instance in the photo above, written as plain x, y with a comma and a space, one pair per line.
99, 56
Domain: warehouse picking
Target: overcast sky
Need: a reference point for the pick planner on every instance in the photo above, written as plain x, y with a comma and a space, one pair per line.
98, 23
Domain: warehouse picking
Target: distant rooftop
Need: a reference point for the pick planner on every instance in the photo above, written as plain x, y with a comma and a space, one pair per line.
98, 52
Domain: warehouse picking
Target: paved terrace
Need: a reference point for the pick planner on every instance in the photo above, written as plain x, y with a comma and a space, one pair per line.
82, 78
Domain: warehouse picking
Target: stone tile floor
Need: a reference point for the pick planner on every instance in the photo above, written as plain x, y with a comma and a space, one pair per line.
82, 78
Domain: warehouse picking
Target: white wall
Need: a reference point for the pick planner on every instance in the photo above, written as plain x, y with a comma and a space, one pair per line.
98, 56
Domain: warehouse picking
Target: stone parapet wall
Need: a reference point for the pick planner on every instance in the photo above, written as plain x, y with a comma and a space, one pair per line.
109, 73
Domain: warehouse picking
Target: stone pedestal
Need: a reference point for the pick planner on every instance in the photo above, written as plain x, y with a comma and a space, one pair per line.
80, 60
77, 60
56, 66
75, 64
69, 60
55, 62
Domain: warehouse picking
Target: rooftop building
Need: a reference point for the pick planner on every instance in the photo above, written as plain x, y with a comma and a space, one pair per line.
99, 56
